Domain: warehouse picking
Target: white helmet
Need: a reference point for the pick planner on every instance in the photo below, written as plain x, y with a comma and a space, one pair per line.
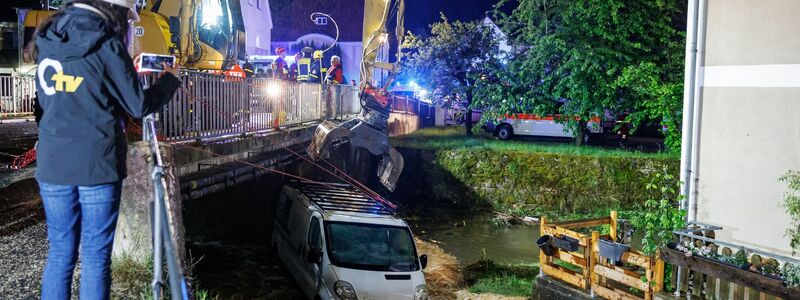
130, 4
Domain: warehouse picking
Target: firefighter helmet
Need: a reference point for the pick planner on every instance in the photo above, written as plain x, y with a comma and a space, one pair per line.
318, 54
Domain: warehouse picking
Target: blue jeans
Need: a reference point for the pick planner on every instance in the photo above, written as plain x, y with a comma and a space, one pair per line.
85, 215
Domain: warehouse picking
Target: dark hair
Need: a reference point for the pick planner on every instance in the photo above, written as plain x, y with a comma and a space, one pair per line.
116, 19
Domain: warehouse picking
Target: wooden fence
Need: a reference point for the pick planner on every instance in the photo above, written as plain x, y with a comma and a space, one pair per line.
636, 276
699, 277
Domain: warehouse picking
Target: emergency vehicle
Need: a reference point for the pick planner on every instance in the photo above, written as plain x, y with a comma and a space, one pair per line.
262, 63
545, 126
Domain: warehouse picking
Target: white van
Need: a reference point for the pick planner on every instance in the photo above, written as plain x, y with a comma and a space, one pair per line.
339, 243
533, 125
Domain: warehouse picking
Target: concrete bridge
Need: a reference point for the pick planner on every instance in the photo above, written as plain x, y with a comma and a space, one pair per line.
218, 133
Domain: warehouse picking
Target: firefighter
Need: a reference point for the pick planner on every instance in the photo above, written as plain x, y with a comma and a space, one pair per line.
294, 68
335, 74
280, 68
316, 68
248, 68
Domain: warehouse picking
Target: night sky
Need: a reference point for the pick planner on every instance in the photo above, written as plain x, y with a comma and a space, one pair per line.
421, 13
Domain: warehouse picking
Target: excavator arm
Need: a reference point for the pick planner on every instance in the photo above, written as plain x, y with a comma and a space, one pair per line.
369, 129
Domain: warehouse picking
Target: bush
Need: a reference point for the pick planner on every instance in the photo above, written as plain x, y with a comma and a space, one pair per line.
554, 181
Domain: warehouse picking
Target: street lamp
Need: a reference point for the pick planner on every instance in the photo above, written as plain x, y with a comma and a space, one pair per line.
316, 15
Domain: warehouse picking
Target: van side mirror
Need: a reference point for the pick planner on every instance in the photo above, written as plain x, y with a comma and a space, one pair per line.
314, 256
423, 260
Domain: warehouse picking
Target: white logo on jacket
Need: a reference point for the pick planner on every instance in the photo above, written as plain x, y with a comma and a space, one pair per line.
63, 82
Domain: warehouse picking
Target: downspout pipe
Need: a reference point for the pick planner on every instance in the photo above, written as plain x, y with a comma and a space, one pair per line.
690, 73
688, 94
697, 109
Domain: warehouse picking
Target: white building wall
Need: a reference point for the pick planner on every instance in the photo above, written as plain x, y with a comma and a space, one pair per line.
258, 24
749, 130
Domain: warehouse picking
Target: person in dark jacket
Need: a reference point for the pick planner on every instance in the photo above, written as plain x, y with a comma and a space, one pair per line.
86, 83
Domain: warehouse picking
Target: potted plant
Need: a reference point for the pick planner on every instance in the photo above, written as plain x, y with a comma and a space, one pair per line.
612, 250
545, 244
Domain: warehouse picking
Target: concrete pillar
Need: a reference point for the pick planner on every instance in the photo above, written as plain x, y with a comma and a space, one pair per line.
133, 236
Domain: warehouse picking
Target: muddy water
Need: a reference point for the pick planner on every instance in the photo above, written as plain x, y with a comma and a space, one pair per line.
470, 235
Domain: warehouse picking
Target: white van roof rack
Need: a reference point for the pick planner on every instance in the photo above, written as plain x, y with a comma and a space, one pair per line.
340, 197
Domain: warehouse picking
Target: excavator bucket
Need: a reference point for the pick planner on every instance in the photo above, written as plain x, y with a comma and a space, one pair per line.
359, 134
324, 137
390, 168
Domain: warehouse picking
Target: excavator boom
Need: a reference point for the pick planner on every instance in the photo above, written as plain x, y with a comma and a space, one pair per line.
369, 129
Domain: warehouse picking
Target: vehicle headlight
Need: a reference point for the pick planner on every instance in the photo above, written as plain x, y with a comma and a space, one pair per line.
421, 292
345, 290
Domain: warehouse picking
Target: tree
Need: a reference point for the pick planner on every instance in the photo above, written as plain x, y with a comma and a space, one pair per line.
451, 60
583, 57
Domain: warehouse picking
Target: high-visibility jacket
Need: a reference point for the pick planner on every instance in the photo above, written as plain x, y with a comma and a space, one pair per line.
249, 69
314, 74
303, 69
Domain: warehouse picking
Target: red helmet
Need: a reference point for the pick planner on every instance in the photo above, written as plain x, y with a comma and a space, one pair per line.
280, 50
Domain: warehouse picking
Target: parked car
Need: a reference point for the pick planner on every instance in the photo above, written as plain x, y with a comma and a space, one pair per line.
533, 125
339, 243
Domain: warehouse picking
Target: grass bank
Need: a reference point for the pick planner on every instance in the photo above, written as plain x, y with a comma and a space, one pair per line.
487, 277
454, 138
524, 178
131, 279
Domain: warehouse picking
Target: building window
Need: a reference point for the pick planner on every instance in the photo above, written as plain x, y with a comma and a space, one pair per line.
251, 2
258, 4
321, 21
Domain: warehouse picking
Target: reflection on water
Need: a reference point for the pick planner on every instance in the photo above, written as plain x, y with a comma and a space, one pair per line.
467, 234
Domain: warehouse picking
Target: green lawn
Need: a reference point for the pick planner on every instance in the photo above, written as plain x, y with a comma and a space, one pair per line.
486, 276
454, 137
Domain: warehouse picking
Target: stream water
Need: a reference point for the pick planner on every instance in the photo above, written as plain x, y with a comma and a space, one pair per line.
471, 235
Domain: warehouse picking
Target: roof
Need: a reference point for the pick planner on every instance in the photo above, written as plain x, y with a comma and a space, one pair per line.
294, 20
342, 202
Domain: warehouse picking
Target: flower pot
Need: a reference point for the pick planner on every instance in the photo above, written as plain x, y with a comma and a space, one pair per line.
545, 244
566, 243
612, 250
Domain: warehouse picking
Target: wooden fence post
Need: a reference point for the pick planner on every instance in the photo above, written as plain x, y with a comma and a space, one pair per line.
613, 225
542, 256
593, 261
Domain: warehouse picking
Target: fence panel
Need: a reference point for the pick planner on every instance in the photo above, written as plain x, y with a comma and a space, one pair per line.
17, 94
211, 105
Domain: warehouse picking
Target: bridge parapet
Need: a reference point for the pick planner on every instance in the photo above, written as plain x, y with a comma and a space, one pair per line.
213, 106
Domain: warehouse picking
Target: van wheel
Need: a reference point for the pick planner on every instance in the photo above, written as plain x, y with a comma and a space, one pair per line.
582, 138
504, 132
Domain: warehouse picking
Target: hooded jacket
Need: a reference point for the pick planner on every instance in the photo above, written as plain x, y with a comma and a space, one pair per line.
86, 82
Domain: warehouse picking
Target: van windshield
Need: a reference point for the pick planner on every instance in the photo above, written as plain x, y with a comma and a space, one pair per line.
371, 247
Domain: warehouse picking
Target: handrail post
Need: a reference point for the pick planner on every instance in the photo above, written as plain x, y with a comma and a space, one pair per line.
161, 231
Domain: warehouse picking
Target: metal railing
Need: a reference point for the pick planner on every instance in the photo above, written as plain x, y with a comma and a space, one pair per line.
211, 106
16, 96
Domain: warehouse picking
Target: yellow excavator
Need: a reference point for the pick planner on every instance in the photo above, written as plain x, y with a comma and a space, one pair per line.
369, 129
202, 34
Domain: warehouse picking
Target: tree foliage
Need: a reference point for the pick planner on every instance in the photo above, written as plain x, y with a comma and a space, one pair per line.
451, 58
591, 56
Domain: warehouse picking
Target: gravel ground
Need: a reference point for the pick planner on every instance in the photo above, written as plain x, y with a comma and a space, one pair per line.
22, 258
